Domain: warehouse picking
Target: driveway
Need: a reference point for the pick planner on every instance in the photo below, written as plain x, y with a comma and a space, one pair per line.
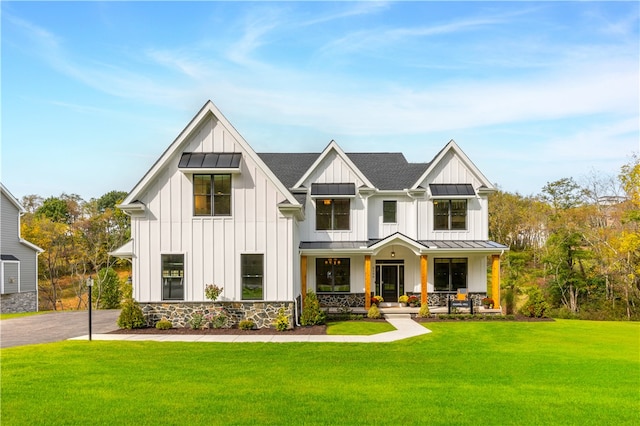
55, 326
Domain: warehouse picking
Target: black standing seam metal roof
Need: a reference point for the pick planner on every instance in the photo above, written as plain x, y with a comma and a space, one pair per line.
210, 160
439, 244
8, 257
340, 189
452, 189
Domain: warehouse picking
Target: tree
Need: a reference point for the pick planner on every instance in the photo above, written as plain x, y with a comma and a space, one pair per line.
107, 294
110, 200
54, 209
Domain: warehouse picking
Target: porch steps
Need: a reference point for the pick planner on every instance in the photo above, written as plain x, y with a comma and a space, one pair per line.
396, 316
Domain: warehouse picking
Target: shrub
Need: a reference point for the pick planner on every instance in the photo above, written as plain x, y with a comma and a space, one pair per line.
247, 324
414, 300
197, 321
218, 319
535, 306
403, 299
212, 292
107, 293
376, 300
374, 312
164, 324
424, 311
282, 321
311, 312
131, 315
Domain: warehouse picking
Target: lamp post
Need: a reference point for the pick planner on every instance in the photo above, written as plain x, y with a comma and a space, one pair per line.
89, 285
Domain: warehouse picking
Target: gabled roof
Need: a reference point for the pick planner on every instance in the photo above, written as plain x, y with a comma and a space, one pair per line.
453, 146
11, 198
205, 112
333, 146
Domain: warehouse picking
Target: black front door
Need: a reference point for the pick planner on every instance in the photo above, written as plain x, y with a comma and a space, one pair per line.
389, 282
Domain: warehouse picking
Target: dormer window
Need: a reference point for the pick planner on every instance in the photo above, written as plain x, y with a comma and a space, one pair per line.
212, 195
333, 214
449, 215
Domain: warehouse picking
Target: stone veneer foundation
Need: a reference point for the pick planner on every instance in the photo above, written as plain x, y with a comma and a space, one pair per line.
13, 303
263, 314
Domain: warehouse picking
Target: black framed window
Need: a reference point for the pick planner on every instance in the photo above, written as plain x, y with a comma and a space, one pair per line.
333, 214
333, 275
212, 195
389, 211
450, 274
172, 277
252, 266
449, 214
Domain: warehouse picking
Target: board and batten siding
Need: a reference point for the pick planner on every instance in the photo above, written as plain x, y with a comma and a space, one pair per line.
11, 245
212, 245
451, 169
333, 169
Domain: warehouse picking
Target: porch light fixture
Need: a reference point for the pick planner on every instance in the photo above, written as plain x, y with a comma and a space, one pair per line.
393, 253
331, 261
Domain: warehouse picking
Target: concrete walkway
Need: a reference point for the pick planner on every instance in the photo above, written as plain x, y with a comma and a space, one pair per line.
405, 328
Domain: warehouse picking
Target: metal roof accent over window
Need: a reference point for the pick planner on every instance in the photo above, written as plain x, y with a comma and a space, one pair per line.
333, 189
452, 189
8, 257
210, 160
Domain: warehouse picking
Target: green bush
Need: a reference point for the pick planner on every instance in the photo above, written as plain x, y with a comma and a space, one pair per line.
247, 324
218, 319
374, 312
164, 324
424, 311
311, 312
197, 321
535, 306
131, 315
282, 321
107, 293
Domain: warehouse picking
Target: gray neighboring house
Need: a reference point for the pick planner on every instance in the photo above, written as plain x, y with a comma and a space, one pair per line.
18, 260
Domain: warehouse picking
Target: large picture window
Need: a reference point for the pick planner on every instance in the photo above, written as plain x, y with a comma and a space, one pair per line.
333, 214
450, 274
172, 277
252, 266
449, 214
333, 275
212, 195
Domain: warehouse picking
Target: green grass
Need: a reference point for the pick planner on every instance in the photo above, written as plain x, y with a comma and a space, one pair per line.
22, 314
362, 328
464, 373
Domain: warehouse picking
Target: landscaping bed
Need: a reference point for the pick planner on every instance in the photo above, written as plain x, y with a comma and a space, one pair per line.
311, 330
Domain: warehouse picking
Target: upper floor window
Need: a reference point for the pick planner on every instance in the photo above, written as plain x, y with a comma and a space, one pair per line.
333, 214
389, 211
449, 214
212, 195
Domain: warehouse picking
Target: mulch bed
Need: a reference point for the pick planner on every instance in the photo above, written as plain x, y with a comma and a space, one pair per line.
312, 330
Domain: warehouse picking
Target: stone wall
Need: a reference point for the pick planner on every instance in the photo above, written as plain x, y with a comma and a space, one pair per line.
19, 302
263, 314
351, 300
440, 299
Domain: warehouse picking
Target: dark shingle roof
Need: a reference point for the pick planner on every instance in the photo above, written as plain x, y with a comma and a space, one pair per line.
385, 170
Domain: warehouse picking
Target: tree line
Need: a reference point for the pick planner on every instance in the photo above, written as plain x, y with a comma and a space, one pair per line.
76, 236
575, 244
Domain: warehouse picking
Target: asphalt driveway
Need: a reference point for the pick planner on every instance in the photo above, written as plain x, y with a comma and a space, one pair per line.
55, 326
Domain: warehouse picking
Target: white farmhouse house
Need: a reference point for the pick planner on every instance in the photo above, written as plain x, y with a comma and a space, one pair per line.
270, 227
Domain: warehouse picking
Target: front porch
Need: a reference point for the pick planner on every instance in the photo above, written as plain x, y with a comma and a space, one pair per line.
406, 310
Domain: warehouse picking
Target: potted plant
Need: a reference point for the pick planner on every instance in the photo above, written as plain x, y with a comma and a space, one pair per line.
403, 300
376, 300
212, 292
487, 302
413, 300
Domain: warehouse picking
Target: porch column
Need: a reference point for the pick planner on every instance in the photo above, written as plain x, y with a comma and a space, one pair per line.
303, 278
367, 281
424, 297
495, 280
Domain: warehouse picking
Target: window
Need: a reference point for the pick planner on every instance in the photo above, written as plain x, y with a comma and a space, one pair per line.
450, 274
449, 214
252, 276
333, 275
172, 277
332, 214
212, 195
389, 209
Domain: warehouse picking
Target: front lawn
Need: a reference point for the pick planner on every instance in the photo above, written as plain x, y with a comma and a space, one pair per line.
495, 373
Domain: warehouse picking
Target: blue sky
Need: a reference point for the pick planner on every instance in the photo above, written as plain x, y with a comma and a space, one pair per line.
93, 93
